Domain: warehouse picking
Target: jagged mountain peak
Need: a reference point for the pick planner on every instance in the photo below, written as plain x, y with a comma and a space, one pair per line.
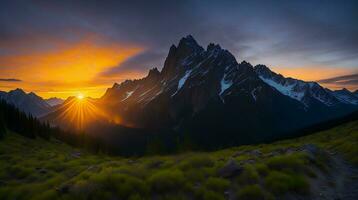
345, 90
213, 47
262, 69
188, 43
247, 64
32, 94
124, 83
115, 85
187, 48
189, 40
154, 72
266, 72
246, 67
17, 91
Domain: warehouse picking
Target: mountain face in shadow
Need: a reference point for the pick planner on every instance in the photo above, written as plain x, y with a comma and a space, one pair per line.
207, 96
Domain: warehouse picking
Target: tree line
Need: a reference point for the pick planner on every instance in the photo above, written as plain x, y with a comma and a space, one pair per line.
14, 120
118, 139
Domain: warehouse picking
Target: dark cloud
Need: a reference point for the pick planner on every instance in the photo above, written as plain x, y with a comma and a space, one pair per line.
10, 80
351, 79
139, 62
284, 33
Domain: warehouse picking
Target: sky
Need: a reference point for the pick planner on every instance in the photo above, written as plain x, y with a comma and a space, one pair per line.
63, 48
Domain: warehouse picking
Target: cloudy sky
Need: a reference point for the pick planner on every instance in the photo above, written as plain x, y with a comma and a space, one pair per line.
61, 48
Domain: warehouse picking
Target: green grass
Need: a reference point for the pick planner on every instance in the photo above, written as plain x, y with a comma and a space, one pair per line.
253, 192
40, 169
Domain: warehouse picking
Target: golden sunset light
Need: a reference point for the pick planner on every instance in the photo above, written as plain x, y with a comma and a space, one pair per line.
80, 111
70, 67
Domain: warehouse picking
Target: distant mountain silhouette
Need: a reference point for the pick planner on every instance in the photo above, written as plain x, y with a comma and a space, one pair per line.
346, 96
355, 92
54, 101
30, 103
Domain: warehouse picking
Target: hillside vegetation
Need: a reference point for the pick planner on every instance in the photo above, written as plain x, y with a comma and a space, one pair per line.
315, 166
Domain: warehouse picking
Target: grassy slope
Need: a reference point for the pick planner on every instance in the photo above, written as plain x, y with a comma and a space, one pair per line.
38, 169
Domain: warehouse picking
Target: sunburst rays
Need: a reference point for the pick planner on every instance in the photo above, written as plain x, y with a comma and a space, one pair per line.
79, 112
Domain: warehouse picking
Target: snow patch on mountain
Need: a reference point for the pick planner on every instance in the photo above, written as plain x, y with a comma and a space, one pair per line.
182, 81
284, 89
128, 94
225, 84
253, 92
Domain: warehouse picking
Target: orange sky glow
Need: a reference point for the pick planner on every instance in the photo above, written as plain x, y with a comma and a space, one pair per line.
315, 73
70, 70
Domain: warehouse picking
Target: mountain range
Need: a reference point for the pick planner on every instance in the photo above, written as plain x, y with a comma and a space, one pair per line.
29, 103
205, 93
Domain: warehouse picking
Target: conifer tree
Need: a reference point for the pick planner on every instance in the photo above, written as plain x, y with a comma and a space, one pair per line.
2, 126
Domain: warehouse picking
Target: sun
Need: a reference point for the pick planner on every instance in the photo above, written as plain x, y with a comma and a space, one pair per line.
80, 96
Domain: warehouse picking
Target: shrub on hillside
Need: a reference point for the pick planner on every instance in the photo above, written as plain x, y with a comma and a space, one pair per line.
2, 127
217, 184
293, 162
197, 161
262, 169
211, 195
249, 175
166, 181
281, 183
253, 192
119, 185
